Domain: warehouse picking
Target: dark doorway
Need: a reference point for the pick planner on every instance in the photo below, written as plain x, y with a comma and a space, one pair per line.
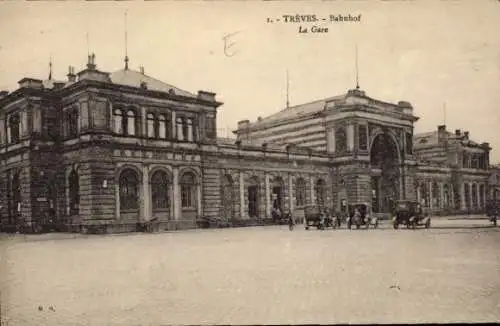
384, 157
277, 198
253, 201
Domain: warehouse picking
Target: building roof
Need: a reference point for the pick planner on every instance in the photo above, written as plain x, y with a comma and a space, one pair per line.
299, 110
134, 78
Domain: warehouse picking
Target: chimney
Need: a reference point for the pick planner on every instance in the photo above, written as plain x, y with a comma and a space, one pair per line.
406, 107
466, 135
142, 69
207, 96
441, 133
71, 74
458, 133
91, 62
30, 83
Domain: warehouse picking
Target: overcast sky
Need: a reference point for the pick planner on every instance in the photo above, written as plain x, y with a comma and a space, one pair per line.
427, 52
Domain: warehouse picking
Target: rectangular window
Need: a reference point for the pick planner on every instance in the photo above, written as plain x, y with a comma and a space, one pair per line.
187, 196
363, 138
151, 128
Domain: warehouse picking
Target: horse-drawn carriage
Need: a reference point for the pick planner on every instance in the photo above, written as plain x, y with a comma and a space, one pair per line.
410, 213
360, 215
493, 210
320, 217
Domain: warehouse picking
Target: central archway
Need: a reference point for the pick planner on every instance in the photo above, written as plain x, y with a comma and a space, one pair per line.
384, 161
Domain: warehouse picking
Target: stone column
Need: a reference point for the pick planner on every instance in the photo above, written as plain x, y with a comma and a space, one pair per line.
199, 194
146, 198
66, 190
177, 196
290, 192
401, 183
242, 194
174, 130
431, 195
478, 197
470, 196
143, 131
117, 200
441, 194
268, 195
419, 195
313, 194
331, 140
463, 205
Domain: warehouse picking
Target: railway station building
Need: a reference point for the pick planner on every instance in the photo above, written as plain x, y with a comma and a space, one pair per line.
117, 148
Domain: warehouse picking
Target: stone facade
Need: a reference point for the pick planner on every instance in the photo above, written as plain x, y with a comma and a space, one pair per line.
375, 156
112, 150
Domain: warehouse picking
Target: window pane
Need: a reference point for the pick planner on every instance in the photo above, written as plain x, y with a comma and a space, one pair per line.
151, 128
118, 122
162, 132
130, 123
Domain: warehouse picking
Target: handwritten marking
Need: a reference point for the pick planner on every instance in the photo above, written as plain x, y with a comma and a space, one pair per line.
228, 45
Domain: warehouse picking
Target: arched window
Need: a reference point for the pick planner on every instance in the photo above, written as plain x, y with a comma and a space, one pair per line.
321, 192
151, 125
13, 128
118, 122
129, 185
227, 196
300, 192
14, 196
474, 195
436, 196
188, 189
74, 193
189, 129
72, 120
446, 195
180, 132
340, 140
424, 192
159, 190
131, 123
467, 195
162, 126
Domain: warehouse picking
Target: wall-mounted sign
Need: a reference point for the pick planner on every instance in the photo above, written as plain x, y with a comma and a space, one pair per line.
41, 199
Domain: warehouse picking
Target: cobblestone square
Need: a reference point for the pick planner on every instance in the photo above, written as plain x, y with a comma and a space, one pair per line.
260, 275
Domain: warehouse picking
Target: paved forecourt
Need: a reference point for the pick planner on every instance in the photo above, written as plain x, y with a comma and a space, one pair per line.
257, 275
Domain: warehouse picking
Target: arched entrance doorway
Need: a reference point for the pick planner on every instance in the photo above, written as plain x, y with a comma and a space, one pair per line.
253, 197
278, 193
384, 161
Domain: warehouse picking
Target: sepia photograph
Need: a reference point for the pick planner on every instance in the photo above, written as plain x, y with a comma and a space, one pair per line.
249, 162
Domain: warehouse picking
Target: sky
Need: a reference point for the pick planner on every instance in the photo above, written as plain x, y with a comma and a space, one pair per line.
441, 56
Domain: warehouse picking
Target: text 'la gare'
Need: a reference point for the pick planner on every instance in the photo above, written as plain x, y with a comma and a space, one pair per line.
314, 29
